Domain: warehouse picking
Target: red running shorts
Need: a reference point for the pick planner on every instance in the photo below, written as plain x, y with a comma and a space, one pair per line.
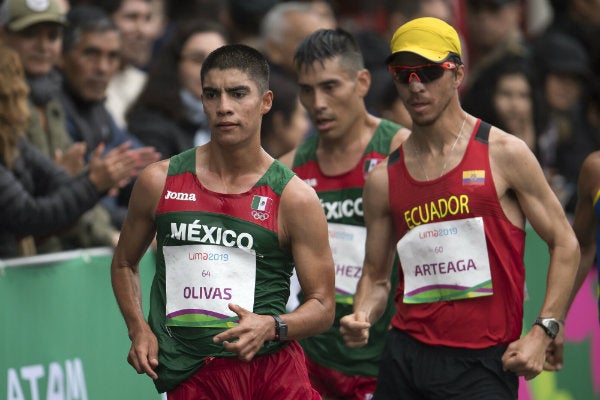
278, 376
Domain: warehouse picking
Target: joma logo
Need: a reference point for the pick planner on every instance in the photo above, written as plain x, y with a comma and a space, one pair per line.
180, 196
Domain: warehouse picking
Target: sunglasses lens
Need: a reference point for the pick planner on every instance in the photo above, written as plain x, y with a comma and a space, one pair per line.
424, 74
402, 75
430, 73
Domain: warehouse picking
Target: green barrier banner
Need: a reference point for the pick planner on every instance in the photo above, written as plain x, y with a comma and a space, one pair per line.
62, 336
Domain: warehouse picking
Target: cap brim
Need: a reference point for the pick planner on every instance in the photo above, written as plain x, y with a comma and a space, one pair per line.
432, 56
30, 20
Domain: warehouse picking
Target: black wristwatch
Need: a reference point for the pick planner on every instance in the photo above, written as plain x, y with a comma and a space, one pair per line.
550, 325
281, 331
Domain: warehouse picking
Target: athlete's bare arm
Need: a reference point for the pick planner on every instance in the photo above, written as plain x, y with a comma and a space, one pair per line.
303, 229
585, 222
525, 194
374, 285
137, 234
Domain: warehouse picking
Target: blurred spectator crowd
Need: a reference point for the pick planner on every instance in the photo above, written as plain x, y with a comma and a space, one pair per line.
93, 91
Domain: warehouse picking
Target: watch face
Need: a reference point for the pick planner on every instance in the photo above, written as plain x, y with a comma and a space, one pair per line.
550, 326
280, 328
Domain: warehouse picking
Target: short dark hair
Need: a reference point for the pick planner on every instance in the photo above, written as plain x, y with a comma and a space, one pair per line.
85, 18
241, 57
326, 44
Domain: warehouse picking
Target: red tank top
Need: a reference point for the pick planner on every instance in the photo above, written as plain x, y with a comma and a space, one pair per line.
474, 322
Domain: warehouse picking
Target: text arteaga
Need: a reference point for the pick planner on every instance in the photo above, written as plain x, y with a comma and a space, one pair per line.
442, 268
197, 232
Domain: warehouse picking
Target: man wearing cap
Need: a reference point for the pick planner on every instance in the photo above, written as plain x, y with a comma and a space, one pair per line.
34, 29
453, 201
17, 15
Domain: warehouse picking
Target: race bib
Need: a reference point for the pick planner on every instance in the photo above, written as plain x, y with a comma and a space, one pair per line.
347, 244
445, 261
201, 280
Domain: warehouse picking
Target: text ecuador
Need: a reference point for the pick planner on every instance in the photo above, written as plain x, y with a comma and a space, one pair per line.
436, 210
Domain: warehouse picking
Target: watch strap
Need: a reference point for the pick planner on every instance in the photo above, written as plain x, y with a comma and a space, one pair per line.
280, 328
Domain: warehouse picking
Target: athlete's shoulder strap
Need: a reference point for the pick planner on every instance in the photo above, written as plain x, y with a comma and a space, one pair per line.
394, 156
183, 162
483, 132
277, 177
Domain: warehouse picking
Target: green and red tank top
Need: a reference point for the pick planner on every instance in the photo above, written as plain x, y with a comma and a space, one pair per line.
462, 274
213, 249
341, 198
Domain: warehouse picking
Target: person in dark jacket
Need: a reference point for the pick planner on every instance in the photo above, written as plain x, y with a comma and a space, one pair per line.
38, 197
36, 35
168, 114
89, 60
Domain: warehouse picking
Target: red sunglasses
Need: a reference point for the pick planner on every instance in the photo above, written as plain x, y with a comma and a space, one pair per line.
422, 73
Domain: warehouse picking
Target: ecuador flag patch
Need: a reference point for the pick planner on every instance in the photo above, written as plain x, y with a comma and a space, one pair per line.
473, 177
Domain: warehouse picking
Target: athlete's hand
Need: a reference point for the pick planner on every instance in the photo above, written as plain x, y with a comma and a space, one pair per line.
247, 338
526, 356
355, 329
143, 354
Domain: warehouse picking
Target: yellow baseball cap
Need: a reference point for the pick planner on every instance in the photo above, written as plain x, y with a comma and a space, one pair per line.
17, 15
428, 37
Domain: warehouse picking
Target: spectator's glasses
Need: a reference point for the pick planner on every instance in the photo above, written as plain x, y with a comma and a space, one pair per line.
422, 73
